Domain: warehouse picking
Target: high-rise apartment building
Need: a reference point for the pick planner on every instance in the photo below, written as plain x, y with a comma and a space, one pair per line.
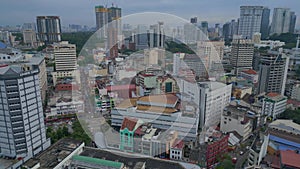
241, 54
230, 29
251, 20
265, 22
49, 29
271, 72
281, 21
292, 22
106, 15
156, 35
22, 131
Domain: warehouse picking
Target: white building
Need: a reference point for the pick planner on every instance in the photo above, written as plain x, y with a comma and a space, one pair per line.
258, 150
162, 112
176, 151
211, 97
29, 38
234, 119
22, 132
65, 56
273, 105
250, 75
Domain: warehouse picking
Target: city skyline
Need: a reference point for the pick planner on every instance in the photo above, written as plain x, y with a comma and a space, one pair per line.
69, 14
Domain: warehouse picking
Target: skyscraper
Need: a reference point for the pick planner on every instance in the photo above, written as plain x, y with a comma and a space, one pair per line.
23, 131
156, 35
49, 29
241, 54
230, 29
106, 15
265, 21
271, 72
281, 21
250, 20
292, 22
101, 19
194, 20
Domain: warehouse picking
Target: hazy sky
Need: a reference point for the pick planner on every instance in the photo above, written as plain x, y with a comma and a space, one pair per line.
15, 12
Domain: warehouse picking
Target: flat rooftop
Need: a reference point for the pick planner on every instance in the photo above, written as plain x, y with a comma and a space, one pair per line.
51, 157
286, 125
130, 161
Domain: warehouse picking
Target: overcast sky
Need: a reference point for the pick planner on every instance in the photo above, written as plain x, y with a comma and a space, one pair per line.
14, 12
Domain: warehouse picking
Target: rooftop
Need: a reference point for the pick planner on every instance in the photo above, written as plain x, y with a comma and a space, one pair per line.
97, 161
129, 161
286, 125
178, 144
51, 157
129, 123
290, 158
250, 71
275, 97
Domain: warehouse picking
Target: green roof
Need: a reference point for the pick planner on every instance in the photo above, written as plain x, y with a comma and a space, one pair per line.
97, 161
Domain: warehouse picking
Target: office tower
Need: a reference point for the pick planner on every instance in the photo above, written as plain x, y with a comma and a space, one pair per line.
281, 21
230, 29
204, 27
194, 20
23, 131
292, 22
271, 72
241, 54
250, 20
141, 37
265, 21
65, 56
195, 63
49, 29
112, 41
114, 14
156, 35
29, 38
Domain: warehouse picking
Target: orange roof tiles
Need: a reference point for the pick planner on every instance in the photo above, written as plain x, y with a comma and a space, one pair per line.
128, 123
161, 98
290, 158
272, 94
250, 71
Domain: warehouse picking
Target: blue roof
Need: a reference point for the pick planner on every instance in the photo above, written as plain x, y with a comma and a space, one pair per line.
2, 45
284, 142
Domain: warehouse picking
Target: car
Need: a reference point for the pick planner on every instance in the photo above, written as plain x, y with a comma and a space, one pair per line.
248, 147
241, 152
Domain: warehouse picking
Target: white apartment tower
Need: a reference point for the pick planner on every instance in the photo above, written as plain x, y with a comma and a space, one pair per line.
250, 20
22, 131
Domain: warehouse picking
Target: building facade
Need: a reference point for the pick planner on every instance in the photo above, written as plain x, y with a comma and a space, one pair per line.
250, 20
273, 105
49, 29
241, 54
23, 132
271, 72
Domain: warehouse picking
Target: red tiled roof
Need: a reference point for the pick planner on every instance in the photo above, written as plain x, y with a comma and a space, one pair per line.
290, 158
147, 74
128, 123
121, 87
272, 94
294, 102
250, 71
178, 144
